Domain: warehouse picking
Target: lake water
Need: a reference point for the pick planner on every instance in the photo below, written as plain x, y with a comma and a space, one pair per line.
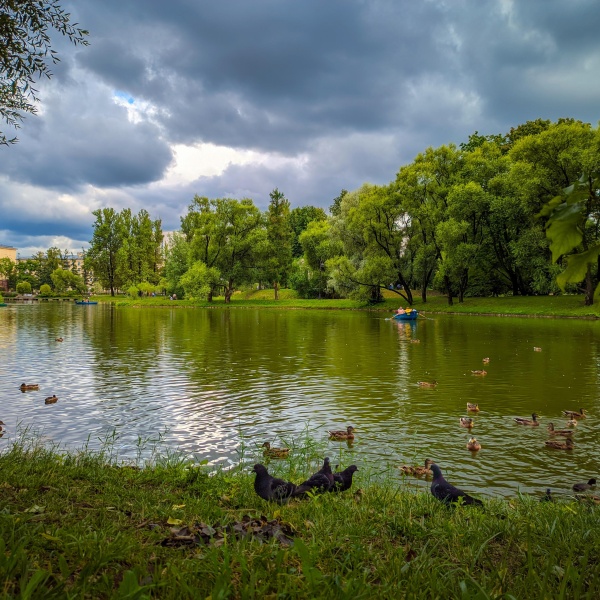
205, 381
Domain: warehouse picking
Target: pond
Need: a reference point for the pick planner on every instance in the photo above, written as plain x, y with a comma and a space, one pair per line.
207, 381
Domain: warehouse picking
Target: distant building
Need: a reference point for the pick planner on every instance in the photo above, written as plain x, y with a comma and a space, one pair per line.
7, 252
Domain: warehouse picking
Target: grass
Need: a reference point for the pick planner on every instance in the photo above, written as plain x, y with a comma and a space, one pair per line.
533, 306
81, 525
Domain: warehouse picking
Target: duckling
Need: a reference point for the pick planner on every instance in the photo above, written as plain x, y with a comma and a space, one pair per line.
572, 423
582, 487
563, 432
466, 422
533, 422
473, 445
472, 407
427, 384
59, 339
573, 414
537, 349
418, 471
566, 445
486, 360
479, 372
275, 452
29, 386
342, 435
51, 399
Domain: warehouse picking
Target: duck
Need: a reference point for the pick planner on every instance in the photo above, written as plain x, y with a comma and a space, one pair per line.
582, 487
573, 414
572, 423
563, 432
416, 470
472, 407
566, 445
486, 360
533, 422
427, 384
274, 452
341, 434
473, 445
59, 339
51, 399
2, 423
466, 422
479, 372
547, 497
29, 386
537, 349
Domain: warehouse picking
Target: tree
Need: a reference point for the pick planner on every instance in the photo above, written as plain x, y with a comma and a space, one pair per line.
176, 262
26, 53
279, 237
23, 287
7, 270
64, 280
300, 217
198, 280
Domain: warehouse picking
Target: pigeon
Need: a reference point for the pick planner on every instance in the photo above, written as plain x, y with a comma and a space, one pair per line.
342, 481
446, 492
272, 488
582, 487
321, 481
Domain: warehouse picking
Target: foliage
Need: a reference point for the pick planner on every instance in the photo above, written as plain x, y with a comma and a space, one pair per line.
300, 218
199, 280
278, 259
26, 53
64, 280
23, 287
45, 290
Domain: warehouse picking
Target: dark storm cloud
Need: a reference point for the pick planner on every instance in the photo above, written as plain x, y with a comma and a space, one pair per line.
333, 94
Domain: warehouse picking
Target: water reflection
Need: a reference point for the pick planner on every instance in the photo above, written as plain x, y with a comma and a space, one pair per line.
205, 380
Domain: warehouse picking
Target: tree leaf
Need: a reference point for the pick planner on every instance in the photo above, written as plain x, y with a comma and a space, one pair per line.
577, 265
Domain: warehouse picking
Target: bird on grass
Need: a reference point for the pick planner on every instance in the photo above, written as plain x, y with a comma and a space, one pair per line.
547, 497
416, 470
479, 372
533, 422
582, 487
321, 481
272, 488
342, 435
51, 399
274, 452
563, 432
446, 492
342, 480
572, 414
568, 444
466, 422
29, 386
473, 445
427, 384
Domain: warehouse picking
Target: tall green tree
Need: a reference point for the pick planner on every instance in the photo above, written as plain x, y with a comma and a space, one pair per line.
300, 217
26, 53
278, 258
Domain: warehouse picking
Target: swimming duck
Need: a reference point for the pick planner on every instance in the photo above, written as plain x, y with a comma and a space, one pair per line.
479, 372
572, 423
59, 339
275, 452
533, 422
428, 384
51, 399
29, 386
566, 445
342, 435
472, 407
1, 425
486, 360
573, 414
418, 471
537, 349
563, 432
466, 422
582, 487
473, 445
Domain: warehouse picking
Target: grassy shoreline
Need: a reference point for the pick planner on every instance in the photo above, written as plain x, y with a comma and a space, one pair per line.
564, 306
80, 524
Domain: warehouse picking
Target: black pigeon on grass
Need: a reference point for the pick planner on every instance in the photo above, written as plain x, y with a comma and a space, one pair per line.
321, 481
446, 492
272, 488
342, 481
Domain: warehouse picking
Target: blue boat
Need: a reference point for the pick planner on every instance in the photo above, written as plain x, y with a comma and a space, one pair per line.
406, 316
86, 302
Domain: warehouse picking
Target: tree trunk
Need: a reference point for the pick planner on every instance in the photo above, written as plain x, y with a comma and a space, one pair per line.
228, 292
589, 287
448, 290
209, 297
276, 289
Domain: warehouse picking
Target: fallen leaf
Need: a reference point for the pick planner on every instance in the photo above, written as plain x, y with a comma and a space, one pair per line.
172, 521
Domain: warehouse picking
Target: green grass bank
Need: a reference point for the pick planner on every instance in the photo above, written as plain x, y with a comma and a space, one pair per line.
527, 306
82, 525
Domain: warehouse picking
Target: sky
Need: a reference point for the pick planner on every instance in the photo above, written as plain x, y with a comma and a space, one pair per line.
233, 99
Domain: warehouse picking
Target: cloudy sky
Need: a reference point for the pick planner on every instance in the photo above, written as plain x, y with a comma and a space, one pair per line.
238, 97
